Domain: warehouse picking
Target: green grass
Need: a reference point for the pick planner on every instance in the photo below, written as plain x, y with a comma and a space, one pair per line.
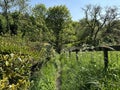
88, 74
85, 74
25, 53
45, 79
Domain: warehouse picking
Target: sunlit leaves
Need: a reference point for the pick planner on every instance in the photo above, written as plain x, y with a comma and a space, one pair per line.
15, 71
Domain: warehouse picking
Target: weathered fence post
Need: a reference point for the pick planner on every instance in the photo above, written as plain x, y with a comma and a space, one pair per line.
105, 58
76, 50
69, 53
77, 55
105, 50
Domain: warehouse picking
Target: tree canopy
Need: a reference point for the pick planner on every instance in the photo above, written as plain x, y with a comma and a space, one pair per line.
54, 25
59, 23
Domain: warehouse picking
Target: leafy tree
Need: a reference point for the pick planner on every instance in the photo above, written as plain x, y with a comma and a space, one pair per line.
25, 24
21, 5
2, 25
39, 14
39, 10
59, 23
14, 22
5, 5
96, 20
112, 33
82, 32
10, 5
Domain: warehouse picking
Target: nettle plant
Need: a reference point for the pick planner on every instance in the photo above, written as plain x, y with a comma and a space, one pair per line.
14, 71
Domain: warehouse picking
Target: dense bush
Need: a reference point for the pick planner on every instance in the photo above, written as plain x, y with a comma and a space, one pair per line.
14, 71
15, 64
2, 25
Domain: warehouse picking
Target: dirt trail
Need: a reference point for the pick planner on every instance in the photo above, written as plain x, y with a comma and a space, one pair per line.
59, 77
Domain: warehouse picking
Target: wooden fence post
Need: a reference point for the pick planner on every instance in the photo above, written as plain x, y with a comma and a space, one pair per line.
77, 55
105, 58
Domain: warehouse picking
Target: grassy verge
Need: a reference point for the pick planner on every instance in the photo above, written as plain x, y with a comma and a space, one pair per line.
85, 74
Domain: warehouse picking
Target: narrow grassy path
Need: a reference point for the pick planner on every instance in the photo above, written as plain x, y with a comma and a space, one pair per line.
59, 75
58, 80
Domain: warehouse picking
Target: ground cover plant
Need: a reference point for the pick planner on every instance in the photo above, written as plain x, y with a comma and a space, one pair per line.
85, 74
16, 59
62, 71
14, 65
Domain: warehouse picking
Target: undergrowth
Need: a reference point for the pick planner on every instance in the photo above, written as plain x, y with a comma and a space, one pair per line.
17, 56
85, 74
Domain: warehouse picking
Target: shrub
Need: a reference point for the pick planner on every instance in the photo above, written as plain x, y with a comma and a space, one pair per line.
14, 71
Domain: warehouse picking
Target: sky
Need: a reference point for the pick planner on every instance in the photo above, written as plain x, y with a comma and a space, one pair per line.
75, 6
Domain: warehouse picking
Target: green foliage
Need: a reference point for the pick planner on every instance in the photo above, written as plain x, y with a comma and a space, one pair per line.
13, 45
2, 25
8, 6
39, 11
59, 24
85, 74
16, 58
15, 64
44, 30
45, 79
88, 74
14, 71
85, 33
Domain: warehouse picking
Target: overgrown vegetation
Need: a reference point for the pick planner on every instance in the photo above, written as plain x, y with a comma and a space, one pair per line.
35, 44
85, 74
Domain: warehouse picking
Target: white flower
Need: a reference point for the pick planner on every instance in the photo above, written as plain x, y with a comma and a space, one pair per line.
10, 86
19, 59
12, 55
